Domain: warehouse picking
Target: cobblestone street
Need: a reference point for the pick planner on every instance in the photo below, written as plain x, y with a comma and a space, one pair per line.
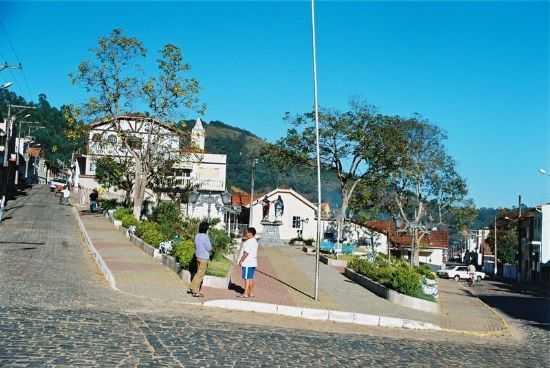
56, 310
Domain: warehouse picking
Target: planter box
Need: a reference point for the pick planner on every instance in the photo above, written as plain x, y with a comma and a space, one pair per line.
208, 281
308, 250
151, 251
333, 262
392, 295
171, 263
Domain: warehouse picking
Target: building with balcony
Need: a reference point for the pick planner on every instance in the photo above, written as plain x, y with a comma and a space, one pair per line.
193, 168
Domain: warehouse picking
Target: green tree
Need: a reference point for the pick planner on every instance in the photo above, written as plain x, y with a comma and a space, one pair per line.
354, 145
117, 174
115, 80
425, 173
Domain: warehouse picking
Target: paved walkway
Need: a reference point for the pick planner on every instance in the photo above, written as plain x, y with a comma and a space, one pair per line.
286, 277
135, 272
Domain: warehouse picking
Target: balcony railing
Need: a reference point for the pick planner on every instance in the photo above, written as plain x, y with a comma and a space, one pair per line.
204, 184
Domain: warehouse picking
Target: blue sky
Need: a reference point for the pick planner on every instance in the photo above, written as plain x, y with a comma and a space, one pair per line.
479, 70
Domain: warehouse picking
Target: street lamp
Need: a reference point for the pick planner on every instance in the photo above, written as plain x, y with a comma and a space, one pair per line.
6, 85
543, 172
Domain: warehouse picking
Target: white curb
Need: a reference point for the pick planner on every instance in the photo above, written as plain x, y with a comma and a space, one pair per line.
97, 257
321, 314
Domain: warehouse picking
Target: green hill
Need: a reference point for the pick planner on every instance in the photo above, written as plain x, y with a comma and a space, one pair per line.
241, 146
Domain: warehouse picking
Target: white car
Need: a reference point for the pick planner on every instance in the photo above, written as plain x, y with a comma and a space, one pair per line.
57, 184
458, 273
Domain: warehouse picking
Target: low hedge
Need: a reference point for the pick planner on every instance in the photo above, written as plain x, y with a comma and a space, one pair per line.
183, 252
150, 232
394, 274
120, 212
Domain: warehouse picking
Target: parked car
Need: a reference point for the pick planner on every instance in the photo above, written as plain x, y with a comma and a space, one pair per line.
57, 184
459, 273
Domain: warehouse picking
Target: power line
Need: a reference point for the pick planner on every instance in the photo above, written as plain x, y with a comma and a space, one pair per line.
26, 82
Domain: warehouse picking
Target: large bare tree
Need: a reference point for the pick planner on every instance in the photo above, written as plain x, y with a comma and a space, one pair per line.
117, 83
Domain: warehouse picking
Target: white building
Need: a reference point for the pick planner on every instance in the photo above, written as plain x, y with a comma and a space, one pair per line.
299, 220
298, 215
204, 171
475, 243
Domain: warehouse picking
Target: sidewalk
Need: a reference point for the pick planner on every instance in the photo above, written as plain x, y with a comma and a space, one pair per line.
135, 272
285, 277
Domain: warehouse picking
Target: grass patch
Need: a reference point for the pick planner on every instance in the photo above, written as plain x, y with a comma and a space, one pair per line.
219, 266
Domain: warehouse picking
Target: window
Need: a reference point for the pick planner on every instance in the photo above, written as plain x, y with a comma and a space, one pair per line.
186, 173
135, 142
96, 138
296, 222
92, 167
112, 139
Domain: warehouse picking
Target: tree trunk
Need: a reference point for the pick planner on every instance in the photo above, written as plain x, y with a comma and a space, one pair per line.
139, 189
346, 196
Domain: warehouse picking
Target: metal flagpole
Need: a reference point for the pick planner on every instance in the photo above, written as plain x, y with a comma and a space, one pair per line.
316, 106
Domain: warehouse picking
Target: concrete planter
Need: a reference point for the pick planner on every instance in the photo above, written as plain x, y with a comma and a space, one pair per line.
208, 281
392, 295
171, 263
333, 262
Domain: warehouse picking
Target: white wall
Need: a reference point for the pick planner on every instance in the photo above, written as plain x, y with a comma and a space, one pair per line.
292, 207
545, 248
431, 256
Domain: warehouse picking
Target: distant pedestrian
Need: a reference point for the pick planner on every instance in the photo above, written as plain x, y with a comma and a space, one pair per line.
93, 200
2, 203
248, 260
66, 195
203, 249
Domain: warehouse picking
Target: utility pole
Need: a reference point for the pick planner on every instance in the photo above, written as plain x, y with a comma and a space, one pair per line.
316, 107
496, 259
251, 212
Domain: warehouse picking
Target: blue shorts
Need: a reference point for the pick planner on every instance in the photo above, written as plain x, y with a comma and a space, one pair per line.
248, 272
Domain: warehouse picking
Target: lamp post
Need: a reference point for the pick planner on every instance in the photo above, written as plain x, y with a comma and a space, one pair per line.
316, 107
544, 172
252, 177
496, 244
18, 145
6, 85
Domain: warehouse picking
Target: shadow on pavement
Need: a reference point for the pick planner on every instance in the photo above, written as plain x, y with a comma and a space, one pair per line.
533, 310
284, 283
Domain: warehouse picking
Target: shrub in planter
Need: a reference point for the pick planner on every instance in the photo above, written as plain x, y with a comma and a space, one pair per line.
167, 214
183, 252
426, 272
150, 233
129, 220
108, 204
120, 212
396, 275
221, 242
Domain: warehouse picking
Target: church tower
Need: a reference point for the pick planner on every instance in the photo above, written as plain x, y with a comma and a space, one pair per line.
198, 135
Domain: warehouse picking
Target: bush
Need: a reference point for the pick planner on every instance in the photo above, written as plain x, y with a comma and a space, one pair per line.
129, 220
120, 212
183, 252
221, 242
150, 233
108, 204
426, 271
219, 266
396, 274
167, 214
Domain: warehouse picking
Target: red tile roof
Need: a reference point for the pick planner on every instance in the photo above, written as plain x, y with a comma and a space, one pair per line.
435, 239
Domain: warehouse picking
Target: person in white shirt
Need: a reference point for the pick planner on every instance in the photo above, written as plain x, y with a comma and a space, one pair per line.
66, 195
248, 260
